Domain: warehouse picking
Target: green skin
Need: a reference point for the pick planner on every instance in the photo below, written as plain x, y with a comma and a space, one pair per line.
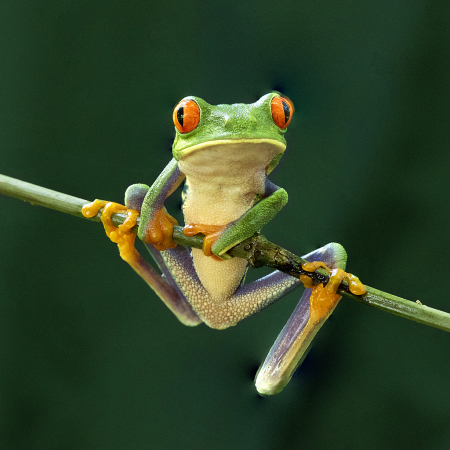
244, 132
238, 121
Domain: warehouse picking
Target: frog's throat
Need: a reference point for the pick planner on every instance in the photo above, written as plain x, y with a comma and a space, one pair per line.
183, 153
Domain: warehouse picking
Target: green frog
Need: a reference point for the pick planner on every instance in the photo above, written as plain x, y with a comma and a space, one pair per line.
224, 153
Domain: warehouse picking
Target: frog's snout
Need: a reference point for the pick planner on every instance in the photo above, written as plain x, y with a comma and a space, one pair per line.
246, 123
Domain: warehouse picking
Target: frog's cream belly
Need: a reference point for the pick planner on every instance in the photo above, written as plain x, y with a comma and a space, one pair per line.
219, 278
222, 186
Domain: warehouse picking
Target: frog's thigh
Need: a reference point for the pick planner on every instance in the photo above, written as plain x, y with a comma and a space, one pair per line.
250, 299
165, 286
221, 313
290, 347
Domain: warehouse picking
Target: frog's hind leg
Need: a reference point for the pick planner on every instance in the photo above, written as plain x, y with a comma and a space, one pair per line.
293, 341
165, 288
163, 285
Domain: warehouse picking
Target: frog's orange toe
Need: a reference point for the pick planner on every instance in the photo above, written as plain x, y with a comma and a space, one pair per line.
130, 221
307, 281
122, 236
313, 266
92, 209
355, 286
212, 234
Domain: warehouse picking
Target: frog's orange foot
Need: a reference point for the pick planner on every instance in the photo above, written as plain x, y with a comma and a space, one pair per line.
337, 276
160, 230
212, 234
324, 299
122, 236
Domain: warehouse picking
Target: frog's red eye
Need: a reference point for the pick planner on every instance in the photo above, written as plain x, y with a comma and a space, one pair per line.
186, 116
282, 110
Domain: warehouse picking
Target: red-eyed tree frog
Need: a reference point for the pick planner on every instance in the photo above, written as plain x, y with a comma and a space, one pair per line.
224, 153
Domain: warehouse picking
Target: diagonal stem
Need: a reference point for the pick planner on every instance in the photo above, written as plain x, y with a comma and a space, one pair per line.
257, 250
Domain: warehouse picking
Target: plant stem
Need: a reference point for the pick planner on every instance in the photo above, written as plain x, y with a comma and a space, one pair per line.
257, 250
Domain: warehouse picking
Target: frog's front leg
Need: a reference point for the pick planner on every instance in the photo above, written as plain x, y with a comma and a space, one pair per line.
156, 225
315, 306
164, 286
220, 238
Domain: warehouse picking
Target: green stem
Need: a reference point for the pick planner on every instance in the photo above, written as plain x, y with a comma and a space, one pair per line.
257, 250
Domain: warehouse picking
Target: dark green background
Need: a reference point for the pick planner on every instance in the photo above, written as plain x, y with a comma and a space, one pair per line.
90, 358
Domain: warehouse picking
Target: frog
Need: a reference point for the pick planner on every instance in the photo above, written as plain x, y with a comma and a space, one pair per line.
224, 154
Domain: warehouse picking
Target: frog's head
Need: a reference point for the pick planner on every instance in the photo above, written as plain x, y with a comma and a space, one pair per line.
199, 125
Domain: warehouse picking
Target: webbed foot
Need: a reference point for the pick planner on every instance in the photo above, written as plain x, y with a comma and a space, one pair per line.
122, 235
324, 299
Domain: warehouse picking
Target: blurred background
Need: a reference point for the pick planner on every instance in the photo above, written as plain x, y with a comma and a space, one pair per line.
90, 357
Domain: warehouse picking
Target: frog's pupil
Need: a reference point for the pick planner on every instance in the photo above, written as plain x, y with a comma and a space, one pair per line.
287, 111
180, 115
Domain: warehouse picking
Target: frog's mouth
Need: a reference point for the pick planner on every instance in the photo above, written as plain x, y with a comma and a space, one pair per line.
230, 155
278, 147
